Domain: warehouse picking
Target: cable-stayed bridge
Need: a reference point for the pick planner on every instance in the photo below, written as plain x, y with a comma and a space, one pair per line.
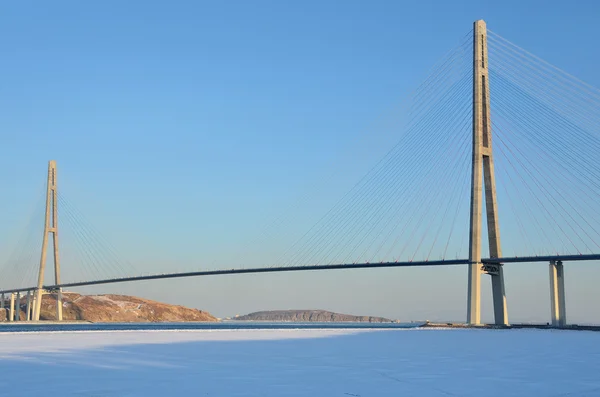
443, 195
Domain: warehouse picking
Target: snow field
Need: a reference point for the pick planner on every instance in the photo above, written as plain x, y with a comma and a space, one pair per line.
301, 363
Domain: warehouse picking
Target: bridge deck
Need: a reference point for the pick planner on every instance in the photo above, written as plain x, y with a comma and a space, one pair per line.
527, 259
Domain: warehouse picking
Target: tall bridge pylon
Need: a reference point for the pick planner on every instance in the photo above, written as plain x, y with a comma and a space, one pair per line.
483, 159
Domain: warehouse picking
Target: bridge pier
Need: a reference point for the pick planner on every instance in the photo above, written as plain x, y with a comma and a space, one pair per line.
18, 307
33, 305
11, 308
557, 294
2, 301
28, 310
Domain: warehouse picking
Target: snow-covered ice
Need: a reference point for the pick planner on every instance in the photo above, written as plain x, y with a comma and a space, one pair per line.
301, 363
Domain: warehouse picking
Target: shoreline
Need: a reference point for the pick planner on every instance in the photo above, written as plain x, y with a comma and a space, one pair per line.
27, 326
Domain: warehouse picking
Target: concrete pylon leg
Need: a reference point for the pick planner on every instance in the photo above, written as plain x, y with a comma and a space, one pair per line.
37, 304
2, 302
499, 297
11, 311
28, 309
59, 300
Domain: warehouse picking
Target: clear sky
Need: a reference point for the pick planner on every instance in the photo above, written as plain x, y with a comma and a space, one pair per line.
182, 128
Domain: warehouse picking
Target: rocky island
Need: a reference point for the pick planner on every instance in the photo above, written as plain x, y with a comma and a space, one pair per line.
309, 316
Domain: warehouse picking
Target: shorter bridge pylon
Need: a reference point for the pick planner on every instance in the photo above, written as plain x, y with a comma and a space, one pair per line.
50, 226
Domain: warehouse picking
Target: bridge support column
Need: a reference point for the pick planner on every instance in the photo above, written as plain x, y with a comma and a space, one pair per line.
28, 309
18, 307
11, 311
2, 304
33, 305
557, 294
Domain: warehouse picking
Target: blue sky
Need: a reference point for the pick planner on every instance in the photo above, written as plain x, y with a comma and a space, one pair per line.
181, 128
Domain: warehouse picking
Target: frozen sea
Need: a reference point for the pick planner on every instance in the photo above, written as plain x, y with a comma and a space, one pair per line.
301, 362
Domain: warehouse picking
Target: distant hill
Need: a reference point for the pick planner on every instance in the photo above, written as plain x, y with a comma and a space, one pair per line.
117, 308
309, 316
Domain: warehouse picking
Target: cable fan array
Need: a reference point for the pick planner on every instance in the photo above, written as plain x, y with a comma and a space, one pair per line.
547, 145
409, 206
87, 254
20, 268
83, 253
